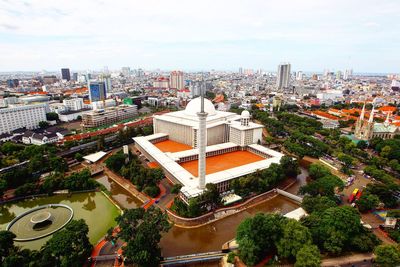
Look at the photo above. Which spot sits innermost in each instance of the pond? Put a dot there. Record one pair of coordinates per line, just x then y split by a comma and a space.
94, 207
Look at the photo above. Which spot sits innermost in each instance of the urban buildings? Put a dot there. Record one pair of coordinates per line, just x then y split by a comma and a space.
97, 91
107, 116
73, 104
283, 76
176, 80
65, 74
16, 117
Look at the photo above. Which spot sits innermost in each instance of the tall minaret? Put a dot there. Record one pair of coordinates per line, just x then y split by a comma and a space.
202, 141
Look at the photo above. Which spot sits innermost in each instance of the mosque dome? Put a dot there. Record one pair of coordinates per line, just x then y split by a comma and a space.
194, 106
245, 114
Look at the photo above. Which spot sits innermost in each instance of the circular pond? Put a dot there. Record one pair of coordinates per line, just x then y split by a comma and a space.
94, 207
40, 222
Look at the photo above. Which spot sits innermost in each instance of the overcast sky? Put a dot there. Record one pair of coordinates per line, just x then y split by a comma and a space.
312, 35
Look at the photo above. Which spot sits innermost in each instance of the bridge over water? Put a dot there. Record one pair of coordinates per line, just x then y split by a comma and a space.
193, 258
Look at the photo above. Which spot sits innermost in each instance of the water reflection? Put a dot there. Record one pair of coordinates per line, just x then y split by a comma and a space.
5, 215
118, 193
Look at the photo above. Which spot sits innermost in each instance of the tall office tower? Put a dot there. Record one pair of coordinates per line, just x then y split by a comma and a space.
240, 70
283, 76
348, 74
338, 75
299, 76
106, 78
75, 76
97, 91
65, 74
176, 80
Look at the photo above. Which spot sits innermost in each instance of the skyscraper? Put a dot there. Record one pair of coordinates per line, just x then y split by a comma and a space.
106, 78
176, 80
65, 74
97, 91
283, 76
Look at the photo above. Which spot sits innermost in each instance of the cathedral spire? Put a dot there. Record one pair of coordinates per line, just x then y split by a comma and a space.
371, 116
387, 122
362, 113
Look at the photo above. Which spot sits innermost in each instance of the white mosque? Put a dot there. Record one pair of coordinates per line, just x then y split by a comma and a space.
207, 133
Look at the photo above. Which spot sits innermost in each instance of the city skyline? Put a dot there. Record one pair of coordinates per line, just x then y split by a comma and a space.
223, 35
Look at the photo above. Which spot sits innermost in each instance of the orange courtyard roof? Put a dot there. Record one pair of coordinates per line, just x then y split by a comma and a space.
171, 146
222, 162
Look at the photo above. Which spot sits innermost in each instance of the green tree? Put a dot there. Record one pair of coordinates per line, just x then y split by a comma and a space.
70, 246
211, 195
317, 204
367, 202
290, 166
78, 156
116, 161
142, 231
257, 236
6, 244
362, 144
317, 170
51, 116
387, 255
43, 124
308, 256
294, 237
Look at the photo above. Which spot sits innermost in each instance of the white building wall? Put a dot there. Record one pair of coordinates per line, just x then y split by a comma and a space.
257, 135
177, 132
216, 135
27, 116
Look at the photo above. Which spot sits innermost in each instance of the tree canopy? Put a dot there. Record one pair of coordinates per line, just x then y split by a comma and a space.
142, 231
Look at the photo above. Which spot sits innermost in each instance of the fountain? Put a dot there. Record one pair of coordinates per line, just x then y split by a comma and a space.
40, 222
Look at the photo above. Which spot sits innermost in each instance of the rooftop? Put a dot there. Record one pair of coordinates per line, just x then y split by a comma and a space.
222, 162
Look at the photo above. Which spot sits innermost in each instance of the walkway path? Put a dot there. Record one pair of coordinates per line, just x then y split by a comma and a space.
350, 260
126, 184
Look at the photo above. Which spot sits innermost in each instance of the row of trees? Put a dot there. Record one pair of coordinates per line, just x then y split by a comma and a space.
41, 159
264, 180
144, 179
57, 181
68, 247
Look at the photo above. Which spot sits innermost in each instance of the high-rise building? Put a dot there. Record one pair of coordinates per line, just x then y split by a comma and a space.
299, 76
176, 80
65, 74
97, 91
283, 76
106, 78
75, 76
338, 75
27, 116
348, 74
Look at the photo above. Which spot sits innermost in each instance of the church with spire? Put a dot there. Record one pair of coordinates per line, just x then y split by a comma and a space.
368, 129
